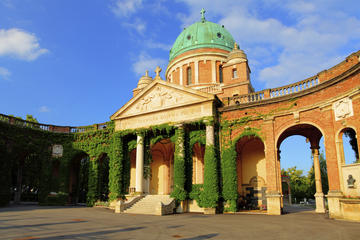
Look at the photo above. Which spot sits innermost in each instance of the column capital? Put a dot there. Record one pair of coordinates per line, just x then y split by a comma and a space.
180, 125
209, 122
315, 150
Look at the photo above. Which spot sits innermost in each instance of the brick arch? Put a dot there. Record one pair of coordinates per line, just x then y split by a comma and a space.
340, 143
251, 157
340, 132
291, 130
239, 135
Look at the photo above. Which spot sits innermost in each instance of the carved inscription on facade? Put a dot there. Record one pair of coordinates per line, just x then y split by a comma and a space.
179, 114
57, 150
343, 109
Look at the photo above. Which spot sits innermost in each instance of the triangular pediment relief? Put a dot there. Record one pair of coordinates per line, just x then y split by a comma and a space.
161, 95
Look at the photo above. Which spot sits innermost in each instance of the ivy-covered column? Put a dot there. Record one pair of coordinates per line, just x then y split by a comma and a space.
116, 168
210, 195
229, 175
93, 193
140, 164
179, 192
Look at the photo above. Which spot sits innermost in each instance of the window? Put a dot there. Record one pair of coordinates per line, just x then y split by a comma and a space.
234, 73
189, 75
221, 80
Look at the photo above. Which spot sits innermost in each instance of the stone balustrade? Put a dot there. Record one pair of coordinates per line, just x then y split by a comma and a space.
211, 89
51, 128
294, 87
272, 93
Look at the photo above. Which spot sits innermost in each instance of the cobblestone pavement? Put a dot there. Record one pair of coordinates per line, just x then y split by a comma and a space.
35, 222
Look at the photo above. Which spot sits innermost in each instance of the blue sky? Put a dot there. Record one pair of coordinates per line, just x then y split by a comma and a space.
76, 62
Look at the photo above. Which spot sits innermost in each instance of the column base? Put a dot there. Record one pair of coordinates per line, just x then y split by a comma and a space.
209, 211
273, 203
320, 203
183, 207
334, 204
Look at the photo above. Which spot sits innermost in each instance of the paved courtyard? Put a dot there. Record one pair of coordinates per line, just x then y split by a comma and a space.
34, 222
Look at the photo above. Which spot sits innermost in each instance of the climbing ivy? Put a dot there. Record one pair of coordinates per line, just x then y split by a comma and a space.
179, 191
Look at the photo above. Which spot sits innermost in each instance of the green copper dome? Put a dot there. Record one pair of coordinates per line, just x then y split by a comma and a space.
203, 34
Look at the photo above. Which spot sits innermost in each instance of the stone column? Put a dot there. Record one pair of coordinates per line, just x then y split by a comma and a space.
278, 168
289, 191
179, 169
319, 195
196, 63
211, 191
210, 136
140, 164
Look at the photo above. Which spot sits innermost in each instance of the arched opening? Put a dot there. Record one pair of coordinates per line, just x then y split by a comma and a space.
132, 187
251, 173
221, 79
103, 177
198, 163
188, 76
302, 161
161, 167
350, 146
26, 177
78, 184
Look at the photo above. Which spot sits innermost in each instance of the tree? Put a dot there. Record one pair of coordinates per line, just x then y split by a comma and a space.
350, 133
30, 118
299, 184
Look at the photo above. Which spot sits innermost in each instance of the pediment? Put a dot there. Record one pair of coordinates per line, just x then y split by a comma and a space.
159, 96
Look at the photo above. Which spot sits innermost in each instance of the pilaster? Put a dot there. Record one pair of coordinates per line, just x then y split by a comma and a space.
196, 64
213, 71
334, 204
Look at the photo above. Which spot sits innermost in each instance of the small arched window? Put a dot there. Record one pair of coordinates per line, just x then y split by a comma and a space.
234, 73
189, 75
221, 80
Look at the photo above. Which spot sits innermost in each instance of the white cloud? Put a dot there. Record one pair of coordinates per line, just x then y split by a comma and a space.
158, 45
138, 25
302, 37
125, 8
4, 73
145, 62
20, 44
44, 109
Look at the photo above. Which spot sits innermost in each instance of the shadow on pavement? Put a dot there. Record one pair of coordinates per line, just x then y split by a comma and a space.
95, 235
39, 225
200, 237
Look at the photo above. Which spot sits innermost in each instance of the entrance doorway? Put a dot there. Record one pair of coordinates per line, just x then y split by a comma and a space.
161, 167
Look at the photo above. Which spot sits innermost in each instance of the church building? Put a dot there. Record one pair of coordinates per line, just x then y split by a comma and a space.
202, 139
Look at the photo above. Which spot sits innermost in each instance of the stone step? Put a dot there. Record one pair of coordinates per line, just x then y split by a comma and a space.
148, 204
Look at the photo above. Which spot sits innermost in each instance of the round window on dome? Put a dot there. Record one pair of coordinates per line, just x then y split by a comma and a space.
219, 35
188, 37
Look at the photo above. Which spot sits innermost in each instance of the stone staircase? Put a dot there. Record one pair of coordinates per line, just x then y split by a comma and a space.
153, 205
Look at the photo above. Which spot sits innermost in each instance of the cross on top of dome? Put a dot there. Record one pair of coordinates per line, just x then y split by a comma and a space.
202, 12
